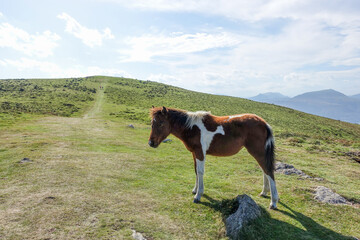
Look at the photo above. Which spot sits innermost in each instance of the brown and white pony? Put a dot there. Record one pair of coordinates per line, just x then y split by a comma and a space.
203, 133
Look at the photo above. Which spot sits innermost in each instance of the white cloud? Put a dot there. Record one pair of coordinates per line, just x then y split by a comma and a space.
1, 15
305, 50
30, 64
345, 81
165, 78
146, 47
40, 45
90, 37
312, 32
94, 70
53, 70
299, 45
336, 11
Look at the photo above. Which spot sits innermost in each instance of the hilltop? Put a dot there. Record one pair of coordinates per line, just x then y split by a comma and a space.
90, 176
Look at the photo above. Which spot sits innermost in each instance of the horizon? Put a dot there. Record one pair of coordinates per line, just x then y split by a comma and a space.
228, 48
189, 89
329, 89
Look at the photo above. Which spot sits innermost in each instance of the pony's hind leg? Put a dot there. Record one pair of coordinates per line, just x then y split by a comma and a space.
269, 184
257, 150
266, 187
274, 193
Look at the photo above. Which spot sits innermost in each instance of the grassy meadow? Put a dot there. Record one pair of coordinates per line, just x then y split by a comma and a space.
90, 176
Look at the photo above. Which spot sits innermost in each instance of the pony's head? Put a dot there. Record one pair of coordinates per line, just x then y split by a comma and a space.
160, 126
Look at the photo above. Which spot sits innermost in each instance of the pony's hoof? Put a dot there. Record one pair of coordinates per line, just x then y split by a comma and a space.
196, 200
273, 207
263, 195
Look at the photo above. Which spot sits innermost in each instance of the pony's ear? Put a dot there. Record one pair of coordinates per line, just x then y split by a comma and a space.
164, 111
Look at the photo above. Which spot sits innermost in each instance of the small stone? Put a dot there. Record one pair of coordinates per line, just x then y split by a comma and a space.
137, 235
167, 140
49, 198
131, 126
25, 160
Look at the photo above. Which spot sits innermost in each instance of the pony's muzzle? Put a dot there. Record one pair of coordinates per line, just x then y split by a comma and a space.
153, 144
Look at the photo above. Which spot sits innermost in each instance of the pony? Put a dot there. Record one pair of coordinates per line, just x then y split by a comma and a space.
203, 133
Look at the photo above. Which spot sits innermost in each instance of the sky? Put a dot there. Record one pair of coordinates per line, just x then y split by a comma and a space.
236, 48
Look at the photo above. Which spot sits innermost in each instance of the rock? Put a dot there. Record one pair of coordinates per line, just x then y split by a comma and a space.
25, 160
353, 155
326, 195
131, 126
318, 179
167, 140
289, 169
137, 235
248, 210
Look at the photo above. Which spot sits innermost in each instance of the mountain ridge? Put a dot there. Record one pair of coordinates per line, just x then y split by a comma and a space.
326, 103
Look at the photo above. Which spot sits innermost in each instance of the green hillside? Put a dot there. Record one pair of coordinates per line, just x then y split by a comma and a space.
92, 177
62, 97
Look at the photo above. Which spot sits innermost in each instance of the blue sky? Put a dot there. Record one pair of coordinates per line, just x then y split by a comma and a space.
238, 48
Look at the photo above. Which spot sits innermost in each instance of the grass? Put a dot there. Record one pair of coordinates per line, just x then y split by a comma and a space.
92, 177
63, 97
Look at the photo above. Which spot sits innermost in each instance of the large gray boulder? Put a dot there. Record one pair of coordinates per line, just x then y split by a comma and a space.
248, 210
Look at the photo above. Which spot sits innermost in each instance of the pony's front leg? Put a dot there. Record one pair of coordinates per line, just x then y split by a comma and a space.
200, 169
194, 191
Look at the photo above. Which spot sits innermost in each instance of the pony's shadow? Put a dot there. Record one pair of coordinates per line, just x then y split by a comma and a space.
266, 227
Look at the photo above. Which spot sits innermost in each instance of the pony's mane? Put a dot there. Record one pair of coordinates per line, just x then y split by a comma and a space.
181, 117
195, 117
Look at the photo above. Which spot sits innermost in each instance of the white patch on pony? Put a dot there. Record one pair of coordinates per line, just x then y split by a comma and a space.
266, 187
274, 193
195, 117
235, 116
270, 140
206, 136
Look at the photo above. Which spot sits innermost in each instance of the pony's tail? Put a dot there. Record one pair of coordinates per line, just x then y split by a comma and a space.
270, 152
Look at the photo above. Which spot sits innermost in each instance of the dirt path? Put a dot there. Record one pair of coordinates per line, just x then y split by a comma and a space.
98, 103
69, 181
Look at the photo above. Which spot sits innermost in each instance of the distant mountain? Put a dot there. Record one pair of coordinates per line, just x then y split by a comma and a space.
356, 96
270, 97
326, 103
